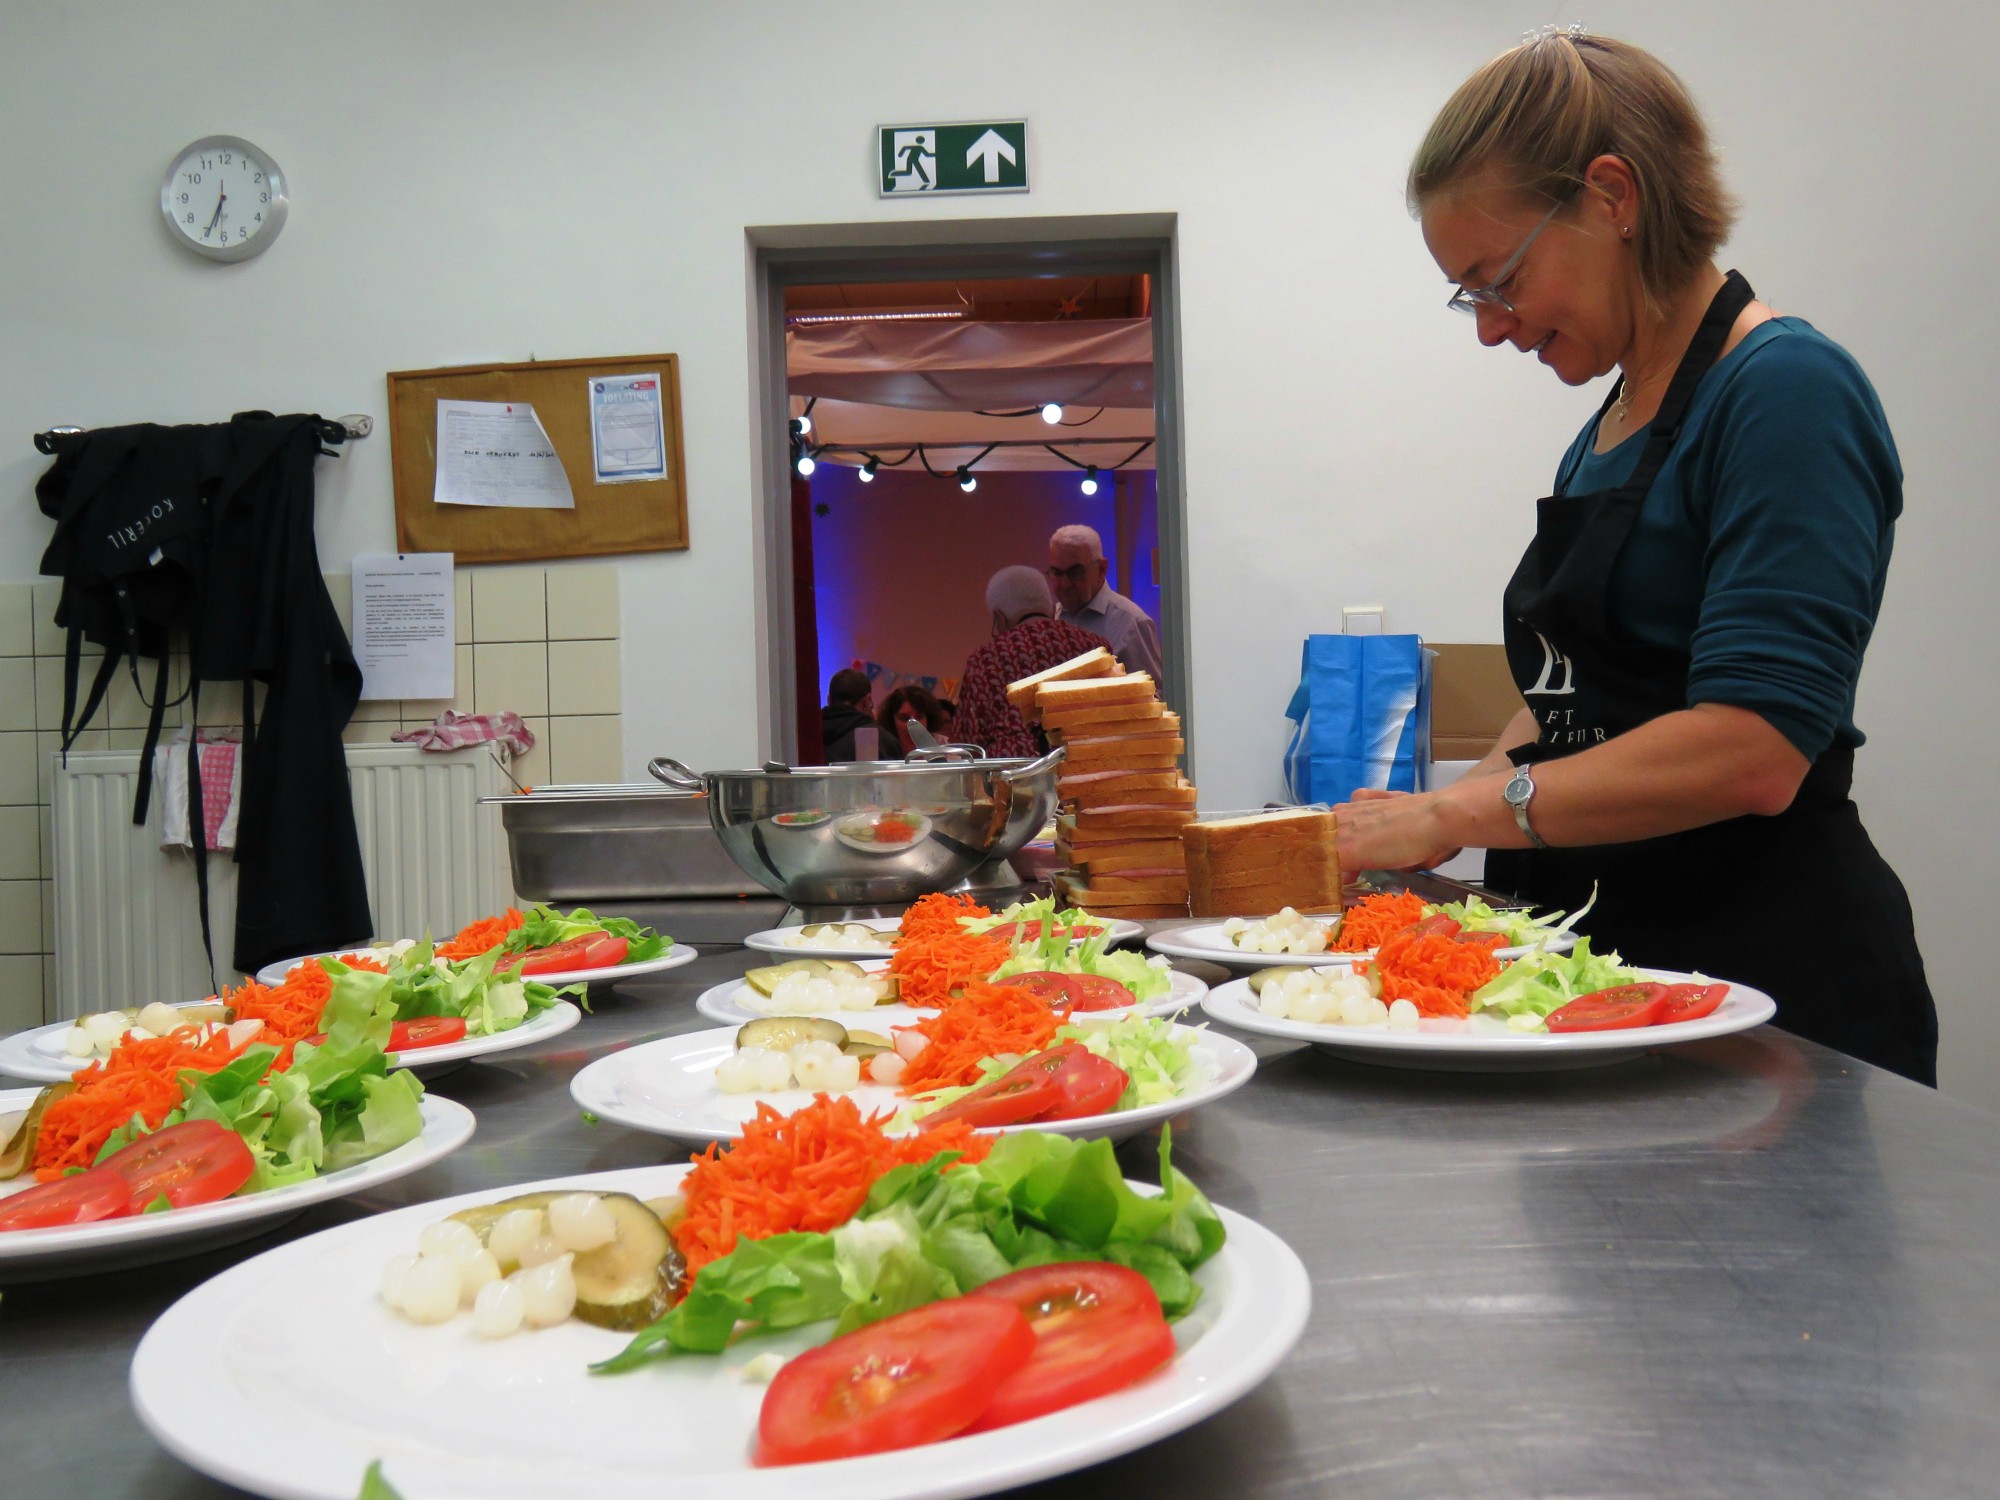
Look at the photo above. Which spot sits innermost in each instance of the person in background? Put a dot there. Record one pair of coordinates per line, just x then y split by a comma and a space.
947, 720
898, 709
1687, 625
1027, 638
848, 708
1078, 569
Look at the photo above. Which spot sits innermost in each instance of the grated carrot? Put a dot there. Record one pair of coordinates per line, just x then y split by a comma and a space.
989, 1020
140, 1077
931, 970
938, 916
1434, 972
810, 1170
1365, 924
474, 938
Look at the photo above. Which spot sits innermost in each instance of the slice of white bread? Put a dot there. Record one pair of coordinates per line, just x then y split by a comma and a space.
1090, 692
1115, 823
1135, 855
1120, 788
1254, 865
1097, 663
1105, 755
1071, 720
1118, 898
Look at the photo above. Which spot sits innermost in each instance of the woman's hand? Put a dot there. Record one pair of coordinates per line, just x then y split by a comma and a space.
1381, 830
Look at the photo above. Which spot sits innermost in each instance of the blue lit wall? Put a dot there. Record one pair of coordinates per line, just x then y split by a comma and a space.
900, 565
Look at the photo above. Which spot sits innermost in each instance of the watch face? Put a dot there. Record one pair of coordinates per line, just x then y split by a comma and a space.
224, 198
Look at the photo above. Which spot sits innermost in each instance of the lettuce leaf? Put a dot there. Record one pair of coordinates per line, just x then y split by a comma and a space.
940, 1229
416, 986
544, 927
1540, 981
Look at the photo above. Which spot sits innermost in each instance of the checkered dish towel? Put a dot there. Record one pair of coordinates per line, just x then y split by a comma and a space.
456, 731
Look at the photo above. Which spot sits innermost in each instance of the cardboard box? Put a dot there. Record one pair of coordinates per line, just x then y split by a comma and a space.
1472, 698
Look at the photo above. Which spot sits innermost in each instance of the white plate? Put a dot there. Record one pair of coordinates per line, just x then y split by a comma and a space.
113, 1244
39, 1054
673, 958
773, 939
286, 1376
1208, 941
1457, 1050
719, 1003
668, 1087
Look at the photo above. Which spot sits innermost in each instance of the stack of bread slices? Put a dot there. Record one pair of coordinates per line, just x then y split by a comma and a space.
1124, 800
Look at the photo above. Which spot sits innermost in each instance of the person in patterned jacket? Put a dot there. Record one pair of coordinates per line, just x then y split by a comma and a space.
1027, 638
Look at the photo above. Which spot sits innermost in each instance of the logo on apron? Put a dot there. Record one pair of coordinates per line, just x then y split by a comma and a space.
1553, 661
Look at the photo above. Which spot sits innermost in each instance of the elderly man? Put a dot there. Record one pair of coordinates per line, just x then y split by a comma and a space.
1027, 638
1077, 565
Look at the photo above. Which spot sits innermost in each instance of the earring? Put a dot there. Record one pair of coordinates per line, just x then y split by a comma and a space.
1626, 232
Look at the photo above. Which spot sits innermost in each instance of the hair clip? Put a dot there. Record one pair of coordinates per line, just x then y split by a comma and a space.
1575, 32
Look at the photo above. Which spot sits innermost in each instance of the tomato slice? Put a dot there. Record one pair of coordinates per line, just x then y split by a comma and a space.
1436, 925
1022, 1094
426, 1031
1057, 990
569, 955
83, 1199
1690, 1002
1098, 992
1482, 939
1098, 1328
1617, 1009
919, 1377
1091, 1085
196, 1161
603, 951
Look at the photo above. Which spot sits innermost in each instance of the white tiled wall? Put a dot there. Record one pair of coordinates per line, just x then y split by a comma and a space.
539, 641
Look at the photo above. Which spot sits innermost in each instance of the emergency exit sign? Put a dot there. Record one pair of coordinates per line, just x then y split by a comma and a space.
990, 156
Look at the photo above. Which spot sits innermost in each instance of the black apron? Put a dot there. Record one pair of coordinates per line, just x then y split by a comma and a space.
1800, 905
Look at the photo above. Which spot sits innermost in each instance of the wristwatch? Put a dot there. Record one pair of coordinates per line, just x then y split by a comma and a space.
1519, 792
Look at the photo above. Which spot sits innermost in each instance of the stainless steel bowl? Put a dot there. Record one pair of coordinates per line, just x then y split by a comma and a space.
873, 833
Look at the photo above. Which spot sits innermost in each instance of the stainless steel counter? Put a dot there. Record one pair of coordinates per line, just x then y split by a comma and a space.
1748, 1267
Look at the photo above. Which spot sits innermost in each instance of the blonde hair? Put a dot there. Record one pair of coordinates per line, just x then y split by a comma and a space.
1546, 109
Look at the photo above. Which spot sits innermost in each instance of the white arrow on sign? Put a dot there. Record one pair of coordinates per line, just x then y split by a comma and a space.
991, 147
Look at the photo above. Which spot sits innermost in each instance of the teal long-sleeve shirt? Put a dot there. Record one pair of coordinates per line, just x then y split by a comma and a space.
1762, 547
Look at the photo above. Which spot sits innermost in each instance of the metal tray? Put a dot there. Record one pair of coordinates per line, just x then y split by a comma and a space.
584, 843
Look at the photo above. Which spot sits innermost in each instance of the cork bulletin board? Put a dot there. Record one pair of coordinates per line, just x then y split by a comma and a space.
643, 516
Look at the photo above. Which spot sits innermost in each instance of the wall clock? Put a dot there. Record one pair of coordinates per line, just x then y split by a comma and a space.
224, 198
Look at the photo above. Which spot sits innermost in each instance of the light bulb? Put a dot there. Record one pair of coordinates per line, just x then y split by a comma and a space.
806, 465
965, 480
802, 425
1089, 485
1052, 412
867, 474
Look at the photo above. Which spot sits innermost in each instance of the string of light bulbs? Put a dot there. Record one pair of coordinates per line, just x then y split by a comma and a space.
805, 455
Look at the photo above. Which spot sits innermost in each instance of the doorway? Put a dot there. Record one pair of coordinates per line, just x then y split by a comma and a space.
835, 541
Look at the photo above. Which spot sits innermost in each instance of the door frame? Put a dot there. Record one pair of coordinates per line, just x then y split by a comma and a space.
782, 256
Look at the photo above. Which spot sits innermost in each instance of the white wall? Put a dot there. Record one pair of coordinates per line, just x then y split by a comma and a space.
477, 182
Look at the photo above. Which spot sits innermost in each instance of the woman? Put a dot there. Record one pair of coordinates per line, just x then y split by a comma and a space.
1687, 626
901, 707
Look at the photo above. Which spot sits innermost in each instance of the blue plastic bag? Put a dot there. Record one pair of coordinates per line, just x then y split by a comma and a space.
1363, 717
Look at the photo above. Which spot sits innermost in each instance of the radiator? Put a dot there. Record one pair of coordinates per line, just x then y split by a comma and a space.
128, 924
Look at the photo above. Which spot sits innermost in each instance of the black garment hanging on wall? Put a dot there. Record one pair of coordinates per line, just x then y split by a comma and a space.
204, 534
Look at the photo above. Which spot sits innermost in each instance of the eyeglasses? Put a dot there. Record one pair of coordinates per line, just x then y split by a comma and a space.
1468, 299
1075, 572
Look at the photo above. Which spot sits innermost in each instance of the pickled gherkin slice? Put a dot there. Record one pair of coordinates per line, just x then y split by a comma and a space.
624, 1284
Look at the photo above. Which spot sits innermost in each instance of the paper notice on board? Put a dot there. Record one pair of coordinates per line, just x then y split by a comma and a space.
628, 438
404, 624
497, 453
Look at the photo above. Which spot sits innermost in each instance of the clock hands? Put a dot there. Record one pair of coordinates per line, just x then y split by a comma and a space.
215, 218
